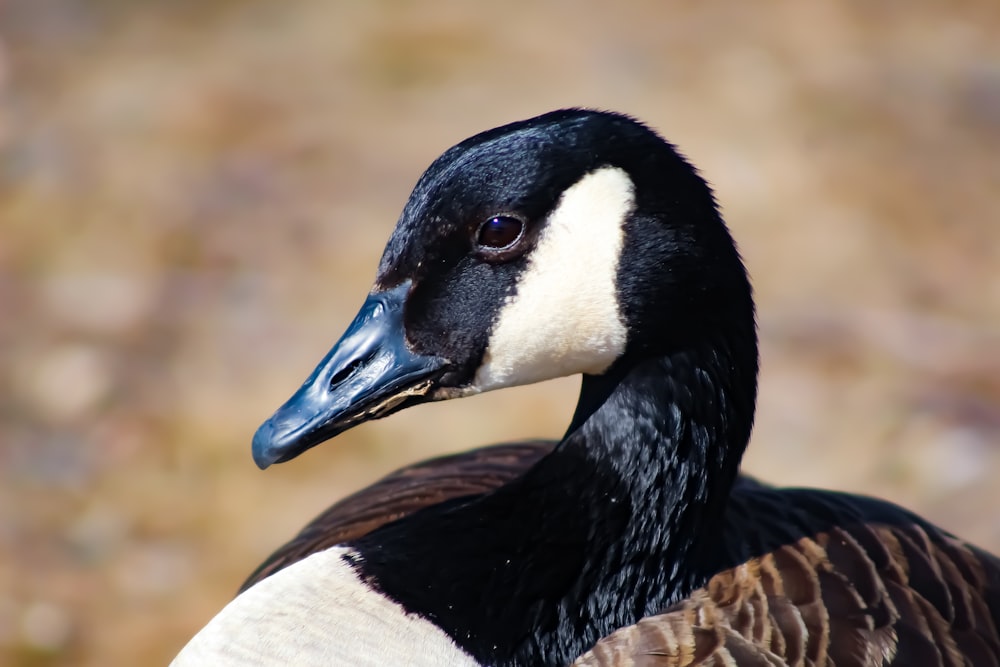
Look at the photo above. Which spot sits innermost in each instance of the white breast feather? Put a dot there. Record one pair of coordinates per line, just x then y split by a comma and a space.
317, 612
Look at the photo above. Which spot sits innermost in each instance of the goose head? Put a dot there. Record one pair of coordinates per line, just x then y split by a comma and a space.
576, 242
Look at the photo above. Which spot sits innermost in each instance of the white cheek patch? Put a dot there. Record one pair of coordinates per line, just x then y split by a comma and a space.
564, 317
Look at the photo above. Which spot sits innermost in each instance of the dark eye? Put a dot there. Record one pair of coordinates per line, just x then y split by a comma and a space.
499, 232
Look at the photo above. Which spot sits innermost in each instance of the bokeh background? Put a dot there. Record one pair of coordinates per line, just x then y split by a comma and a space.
194, 195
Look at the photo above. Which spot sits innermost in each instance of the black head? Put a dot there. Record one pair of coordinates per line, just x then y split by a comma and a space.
569, 243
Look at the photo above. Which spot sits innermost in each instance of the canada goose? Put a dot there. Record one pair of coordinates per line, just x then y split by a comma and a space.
581, 242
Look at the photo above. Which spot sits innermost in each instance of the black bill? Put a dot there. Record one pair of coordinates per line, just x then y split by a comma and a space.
369, 373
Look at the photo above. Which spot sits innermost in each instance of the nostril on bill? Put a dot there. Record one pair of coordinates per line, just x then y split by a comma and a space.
347, 371
344, 373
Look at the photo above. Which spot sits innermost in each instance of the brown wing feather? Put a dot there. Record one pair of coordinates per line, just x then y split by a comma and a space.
855, 593
403, 492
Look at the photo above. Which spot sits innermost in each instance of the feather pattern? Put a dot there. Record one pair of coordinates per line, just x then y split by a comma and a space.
822, 578
890, 590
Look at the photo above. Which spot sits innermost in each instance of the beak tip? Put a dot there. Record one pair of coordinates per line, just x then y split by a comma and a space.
265, 452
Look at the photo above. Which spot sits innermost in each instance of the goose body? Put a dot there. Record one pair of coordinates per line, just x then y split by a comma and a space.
581, 242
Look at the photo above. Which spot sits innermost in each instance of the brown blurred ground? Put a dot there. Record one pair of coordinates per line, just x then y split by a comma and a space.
193, 196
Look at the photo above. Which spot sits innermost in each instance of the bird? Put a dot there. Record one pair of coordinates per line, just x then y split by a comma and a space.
580, 242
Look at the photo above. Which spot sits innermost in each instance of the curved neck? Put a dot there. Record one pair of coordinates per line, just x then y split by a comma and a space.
671, 432
535, 572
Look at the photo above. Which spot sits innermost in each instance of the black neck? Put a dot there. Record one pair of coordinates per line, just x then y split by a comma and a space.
537, 572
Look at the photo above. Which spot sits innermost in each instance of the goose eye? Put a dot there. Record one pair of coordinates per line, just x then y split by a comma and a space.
499, 233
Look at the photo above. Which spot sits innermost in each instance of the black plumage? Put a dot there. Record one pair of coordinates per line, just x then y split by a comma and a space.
632, 540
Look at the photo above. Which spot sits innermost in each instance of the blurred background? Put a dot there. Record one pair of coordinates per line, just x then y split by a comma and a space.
194, 196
